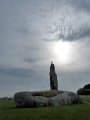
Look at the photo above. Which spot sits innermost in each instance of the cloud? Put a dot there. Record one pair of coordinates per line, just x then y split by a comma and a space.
75, 28
31, 60
81, 5
17, 72
23, 30
66, 20
82, 33
78, 34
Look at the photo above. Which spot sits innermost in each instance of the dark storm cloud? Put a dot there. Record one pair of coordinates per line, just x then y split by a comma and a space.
18, 72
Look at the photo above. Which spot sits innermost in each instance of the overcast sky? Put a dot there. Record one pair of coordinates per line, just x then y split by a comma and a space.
29, 30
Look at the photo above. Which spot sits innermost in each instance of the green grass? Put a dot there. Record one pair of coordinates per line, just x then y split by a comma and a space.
8, 111
86, 99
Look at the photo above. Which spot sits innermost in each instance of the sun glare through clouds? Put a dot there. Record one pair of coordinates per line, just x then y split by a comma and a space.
63, 51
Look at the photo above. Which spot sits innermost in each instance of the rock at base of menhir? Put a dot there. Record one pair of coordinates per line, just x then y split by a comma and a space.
66, 98
26, 99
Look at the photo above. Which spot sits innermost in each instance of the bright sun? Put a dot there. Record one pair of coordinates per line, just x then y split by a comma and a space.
63, 51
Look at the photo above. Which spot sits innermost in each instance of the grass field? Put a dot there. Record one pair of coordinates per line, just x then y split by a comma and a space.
86, 99
8, 111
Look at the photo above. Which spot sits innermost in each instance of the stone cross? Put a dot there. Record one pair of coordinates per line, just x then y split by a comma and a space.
53, 77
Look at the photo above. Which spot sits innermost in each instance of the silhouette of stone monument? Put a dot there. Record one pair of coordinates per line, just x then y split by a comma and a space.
53, 97
53, 78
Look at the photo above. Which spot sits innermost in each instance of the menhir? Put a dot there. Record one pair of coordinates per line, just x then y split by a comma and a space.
53, 77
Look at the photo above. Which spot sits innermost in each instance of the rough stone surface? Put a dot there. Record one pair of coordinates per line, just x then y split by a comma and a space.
53, 78
65, 98
27, 99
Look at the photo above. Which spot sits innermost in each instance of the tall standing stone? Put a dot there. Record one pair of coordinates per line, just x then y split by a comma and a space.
53, 77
